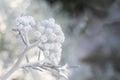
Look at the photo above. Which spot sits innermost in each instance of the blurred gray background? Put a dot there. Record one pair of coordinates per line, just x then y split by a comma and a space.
92, 31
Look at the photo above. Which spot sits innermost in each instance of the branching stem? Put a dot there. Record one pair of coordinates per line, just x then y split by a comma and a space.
18, 62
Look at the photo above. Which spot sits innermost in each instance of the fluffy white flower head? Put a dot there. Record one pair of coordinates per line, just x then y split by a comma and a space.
51, 36
48, 40
25, 23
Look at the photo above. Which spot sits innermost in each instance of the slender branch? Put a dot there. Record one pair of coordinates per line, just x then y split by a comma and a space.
27, 39
23, 39
39, 55
26, 42
27, 59
15, 67
18, 62
38, 66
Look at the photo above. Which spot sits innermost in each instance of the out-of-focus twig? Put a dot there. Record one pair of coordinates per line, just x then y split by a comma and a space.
18, 62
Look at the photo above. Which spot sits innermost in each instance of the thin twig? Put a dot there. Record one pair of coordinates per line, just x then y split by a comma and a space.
37, 69
39, 55
15, 66
27, 39
27, 59
18, 62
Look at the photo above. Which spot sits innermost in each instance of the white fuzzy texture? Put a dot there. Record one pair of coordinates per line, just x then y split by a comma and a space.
37, 34
47, 46
60, 39
25, 23
27, 28
52, 46
52, 20
43, 38
41, 29
48, 33
26, 20
46, 53
51, 38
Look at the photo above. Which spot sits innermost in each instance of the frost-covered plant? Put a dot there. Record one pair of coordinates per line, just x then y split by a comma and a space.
51, 37
48, 39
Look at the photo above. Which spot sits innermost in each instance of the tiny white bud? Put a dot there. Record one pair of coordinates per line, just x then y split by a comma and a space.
37, 34
52, 37
52, 20
48, 31
57, 27
57, 49
45, 23
43, 38
27, 28
41, 29
47, 46
52, 45
25, 20
60, 39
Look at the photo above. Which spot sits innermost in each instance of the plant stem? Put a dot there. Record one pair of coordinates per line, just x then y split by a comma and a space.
18, 62
15, 67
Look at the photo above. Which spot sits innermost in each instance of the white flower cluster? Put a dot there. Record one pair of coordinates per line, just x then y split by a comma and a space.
25, 23
51, 37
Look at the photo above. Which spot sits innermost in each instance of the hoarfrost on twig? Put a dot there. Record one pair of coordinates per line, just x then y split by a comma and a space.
49, 38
